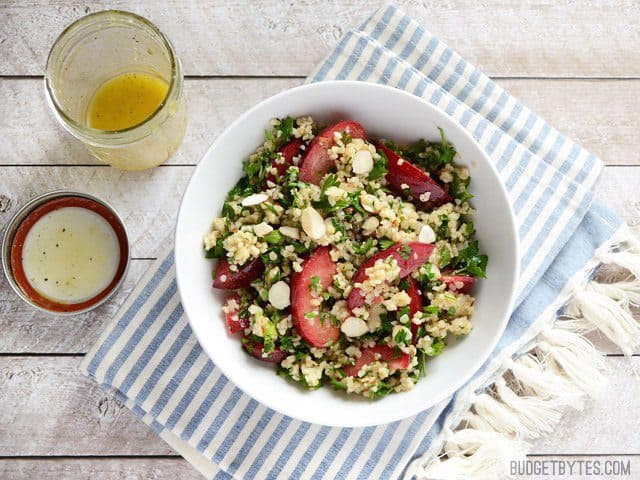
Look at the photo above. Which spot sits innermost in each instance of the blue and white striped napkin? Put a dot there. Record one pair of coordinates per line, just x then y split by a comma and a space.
149, 358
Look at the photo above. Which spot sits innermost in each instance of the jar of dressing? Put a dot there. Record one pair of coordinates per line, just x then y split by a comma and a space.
114, 81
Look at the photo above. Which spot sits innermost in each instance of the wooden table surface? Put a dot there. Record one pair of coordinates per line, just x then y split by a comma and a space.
578, 65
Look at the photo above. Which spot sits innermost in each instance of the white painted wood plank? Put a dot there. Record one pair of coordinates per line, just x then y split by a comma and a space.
98, 469
506, 38
50, 408
601, 115
47, 402
618, 189
212, 104
148, 201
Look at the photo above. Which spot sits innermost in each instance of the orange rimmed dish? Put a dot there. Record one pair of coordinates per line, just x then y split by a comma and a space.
65, 252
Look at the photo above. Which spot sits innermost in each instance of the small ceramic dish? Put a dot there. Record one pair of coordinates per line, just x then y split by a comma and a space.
85, 269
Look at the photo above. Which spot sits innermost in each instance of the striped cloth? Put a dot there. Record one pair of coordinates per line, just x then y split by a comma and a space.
149, 358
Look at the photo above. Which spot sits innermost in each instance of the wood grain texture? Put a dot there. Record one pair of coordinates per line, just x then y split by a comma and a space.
98, 469
147, 201
47, 402
50, 408
618, 189
541, 39
603, 426
602, 115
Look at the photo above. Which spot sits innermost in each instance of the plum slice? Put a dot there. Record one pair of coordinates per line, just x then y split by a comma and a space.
316, 162
306, 316
403, 176
289, 151
256, 349
226, 279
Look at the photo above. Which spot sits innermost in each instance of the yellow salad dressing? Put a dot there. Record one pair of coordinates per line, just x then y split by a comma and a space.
126, 101
70, 255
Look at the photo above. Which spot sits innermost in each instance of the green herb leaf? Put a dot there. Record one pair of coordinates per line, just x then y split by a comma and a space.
405, 251
445, 257
401, 337
363, 248
436, 347
431, 310
270, 335
315, 285
338, 385
472, 262
274, 237
380, 165
385, 243
286, 127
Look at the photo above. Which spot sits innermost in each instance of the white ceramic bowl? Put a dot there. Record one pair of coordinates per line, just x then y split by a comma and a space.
384, 112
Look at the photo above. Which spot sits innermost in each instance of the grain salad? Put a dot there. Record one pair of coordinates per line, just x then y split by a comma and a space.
348, 261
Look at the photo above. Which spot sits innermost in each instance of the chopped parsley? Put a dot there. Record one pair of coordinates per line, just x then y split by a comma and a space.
380, 165
405, 251
315, 285
364, 247
472, 262
385, 243
274, 237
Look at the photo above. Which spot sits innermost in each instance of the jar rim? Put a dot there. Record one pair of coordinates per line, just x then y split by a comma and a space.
125, 135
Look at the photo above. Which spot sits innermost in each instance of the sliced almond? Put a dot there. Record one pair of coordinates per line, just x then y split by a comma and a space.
279, 295
362, 162
262, 229
426, 235
368, 202
328, 224
369, 225
255, 199
291, 232
313, 223
354, 327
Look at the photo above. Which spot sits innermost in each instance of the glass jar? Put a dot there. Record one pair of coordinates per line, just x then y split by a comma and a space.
98, 48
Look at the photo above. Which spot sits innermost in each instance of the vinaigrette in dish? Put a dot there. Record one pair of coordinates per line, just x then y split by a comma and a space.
348, 261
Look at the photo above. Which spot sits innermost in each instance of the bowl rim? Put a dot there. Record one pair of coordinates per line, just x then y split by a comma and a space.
245, 384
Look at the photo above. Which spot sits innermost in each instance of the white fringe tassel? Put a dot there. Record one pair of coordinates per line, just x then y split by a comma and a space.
534, 387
